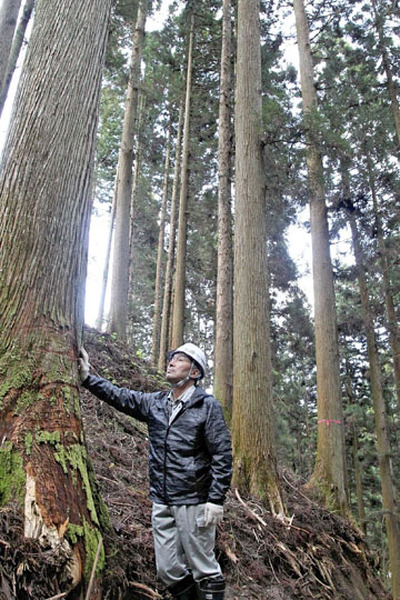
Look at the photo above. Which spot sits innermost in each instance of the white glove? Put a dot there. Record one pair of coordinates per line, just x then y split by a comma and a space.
83, 364
213, 514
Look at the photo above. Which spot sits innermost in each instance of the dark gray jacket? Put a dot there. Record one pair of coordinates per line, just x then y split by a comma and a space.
190, 461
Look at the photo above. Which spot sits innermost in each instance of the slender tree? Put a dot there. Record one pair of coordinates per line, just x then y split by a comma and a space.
9, 10
223, 355
118, 321
167, 297
393, 327
379, 16
15, 50
155, 349
389, 493
178, 310
45, 202
330, 469
252, 429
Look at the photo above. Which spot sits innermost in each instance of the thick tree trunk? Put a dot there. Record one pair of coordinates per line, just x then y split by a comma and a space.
167, 298
223, 363
252, 421
9, 10
15, 51
155, 347
118, 322
45, 202
178, 309
330, 470
389, 493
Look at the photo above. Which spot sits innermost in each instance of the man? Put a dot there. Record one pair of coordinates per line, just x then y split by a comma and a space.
190, 467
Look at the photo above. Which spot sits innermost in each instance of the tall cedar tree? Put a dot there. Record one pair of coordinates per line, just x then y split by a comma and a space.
118, 322
178, 311
45, 201
330, 470
389, 493
252, 421
223, 357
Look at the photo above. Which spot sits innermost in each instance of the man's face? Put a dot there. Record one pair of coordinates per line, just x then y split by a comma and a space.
178, 367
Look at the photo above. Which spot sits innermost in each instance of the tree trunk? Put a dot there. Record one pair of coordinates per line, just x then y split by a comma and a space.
15, 51
118, 322
252, 422
356, 461
329, 476
9, 10
155, 348
394, 337
389, 492
386, 65
45, 202
178, 310
167, 298
223, 354
106, 268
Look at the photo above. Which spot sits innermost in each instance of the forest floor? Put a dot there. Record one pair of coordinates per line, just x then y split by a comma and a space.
313, 555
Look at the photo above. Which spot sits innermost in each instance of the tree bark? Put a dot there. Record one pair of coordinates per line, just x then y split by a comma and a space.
45, 203
329, 476
178, 309
223, 353
118, 322
252, 421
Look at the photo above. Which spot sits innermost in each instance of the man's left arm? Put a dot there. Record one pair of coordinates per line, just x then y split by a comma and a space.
218, 441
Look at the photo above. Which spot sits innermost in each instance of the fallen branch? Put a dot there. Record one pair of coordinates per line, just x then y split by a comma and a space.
145, 590
96, 560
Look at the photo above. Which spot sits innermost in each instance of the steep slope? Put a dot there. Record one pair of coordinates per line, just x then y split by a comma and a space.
314, 555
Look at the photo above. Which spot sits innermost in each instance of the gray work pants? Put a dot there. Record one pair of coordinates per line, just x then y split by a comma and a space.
183, 544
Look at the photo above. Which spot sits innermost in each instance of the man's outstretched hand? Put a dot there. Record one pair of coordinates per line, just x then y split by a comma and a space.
83, 364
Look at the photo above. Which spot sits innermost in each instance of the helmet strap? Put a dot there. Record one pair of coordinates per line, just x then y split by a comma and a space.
188, 376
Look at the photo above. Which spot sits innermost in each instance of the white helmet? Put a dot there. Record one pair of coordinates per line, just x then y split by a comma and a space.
195, 353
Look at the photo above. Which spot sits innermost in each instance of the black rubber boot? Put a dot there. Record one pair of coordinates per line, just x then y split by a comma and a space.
212, 589
185, 589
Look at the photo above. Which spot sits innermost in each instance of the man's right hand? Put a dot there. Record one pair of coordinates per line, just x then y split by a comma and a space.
83, 364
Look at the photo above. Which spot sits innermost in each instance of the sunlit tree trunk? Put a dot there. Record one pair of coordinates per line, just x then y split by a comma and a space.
9, 10
389, 493
178, 309
155, 348
223, 353
167, 297
45, 203
14, 51
329, 476
106, 268
118, 321
252, 421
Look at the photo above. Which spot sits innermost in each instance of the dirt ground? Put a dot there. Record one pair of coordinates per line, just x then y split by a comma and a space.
313, 555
